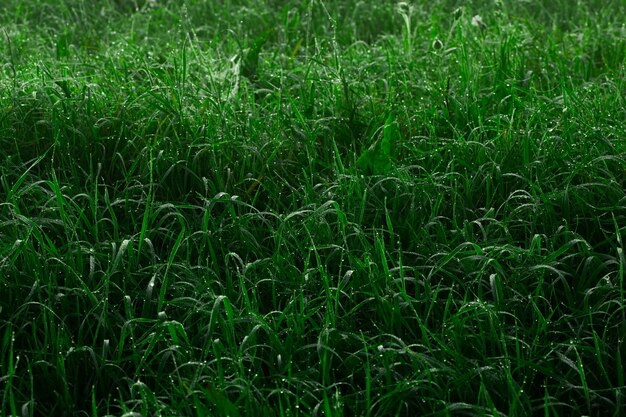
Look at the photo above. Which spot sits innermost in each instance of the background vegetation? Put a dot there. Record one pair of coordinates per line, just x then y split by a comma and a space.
307, 208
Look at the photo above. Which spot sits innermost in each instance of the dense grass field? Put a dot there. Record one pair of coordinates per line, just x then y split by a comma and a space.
312, 208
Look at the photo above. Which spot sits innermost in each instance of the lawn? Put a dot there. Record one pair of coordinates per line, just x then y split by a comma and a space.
312, 208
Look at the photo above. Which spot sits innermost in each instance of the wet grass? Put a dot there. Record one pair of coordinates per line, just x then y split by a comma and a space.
336, 208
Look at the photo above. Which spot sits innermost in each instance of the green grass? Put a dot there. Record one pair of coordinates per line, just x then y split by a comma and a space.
318, 208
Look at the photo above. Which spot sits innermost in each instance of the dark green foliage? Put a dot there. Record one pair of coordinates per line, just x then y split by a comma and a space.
306, 208
378, 158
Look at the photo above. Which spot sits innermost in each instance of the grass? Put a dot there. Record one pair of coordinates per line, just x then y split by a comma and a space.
320, 208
